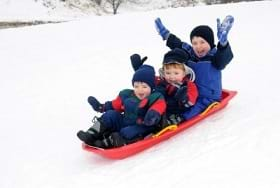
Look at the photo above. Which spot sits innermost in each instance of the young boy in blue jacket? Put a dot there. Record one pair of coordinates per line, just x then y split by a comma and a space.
205, 59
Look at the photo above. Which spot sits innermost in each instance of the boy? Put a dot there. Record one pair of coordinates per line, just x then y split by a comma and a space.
175, 83
205, 59
130, 117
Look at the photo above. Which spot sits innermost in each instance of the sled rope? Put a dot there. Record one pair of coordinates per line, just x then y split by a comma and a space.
212, 105
168, 128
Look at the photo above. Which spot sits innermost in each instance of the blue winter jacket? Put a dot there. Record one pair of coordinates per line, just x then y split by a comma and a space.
207, 71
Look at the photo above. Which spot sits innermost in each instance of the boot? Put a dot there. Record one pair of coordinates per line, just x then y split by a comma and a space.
105, 143
114, 140
117, 140
86, 137
94, 133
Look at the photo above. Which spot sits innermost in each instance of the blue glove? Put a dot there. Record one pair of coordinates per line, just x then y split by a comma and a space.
223, 29
181, 96
152, 117
96, 105
136, 61
163, 32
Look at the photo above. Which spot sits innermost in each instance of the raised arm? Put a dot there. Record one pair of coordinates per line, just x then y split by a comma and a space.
224, 54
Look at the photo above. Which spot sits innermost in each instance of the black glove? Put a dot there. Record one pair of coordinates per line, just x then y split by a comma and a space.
136, 61
181, 96
96, 105
152, 117
174, 119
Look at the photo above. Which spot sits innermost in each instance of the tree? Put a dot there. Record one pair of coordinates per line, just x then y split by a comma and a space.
98, 2
183, 3
115, 4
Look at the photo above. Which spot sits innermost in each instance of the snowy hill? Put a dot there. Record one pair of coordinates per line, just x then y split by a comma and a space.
48, 71
12, 10
63, 10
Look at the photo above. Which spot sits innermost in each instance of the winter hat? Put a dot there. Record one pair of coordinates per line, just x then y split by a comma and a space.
205, 32
176, 54
145, 73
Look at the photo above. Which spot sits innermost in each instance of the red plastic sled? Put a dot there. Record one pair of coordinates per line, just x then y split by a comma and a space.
131, 149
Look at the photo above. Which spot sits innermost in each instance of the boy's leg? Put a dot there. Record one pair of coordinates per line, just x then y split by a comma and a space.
136, 131
113, 140
125, 136
113, 121
109, 121
198, 108
94, 132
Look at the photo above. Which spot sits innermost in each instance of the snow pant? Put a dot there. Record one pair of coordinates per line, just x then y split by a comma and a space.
200, 105
114, 121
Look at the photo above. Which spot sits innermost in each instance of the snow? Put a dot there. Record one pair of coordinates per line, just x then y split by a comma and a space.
48, 71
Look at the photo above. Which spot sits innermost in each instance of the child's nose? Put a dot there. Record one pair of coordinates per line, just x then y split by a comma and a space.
172, 77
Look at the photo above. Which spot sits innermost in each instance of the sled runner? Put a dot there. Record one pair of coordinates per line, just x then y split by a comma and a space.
131, 149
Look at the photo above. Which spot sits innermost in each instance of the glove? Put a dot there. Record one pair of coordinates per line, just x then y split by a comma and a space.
223, 29
174, 119
136, 61
96, 105
181, 96
163, 32
152, 117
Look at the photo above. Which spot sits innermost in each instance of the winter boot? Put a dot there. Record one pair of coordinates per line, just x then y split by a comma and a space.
117, 140
112, 141
94, 133
105, 143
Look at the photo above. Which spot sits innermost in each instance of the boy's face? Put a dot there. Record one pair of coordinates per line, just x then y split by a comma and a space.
174, 75
141, 90
200, 46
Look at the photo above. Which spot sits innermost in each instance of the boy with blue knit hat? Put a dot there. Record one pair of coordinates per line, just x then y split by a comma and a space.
175, 83
205, 59
131, 116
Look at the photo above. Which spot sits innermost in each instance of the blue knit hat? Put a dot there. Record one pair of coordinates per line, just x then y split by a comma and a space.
146, 74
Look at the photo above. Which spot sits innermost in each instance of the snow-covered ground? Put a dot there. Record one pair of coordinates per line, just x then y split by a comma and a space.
44, 10
57, 10
48, 71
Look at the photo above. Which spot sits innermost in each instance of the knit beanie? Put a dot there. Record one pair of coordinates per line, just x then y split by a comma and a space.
205, 32
146, 74
176, 54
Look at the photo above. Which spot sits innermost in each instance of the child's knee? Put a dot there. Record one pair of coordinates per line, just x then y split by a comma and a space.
129, 132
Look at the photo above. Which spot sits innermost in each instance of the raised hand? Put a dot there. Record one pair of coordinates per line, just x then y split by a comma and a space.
163, 32
96, 105
224, 28
136, 61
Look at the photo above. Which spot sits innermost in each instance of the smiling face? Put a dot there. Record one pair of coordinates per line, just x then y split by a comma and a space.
174, 73
141, 90
200, 46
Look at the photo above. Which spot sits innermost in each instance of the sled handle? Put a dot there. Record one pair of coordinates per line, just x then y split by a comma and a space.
168, 128
212, 105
